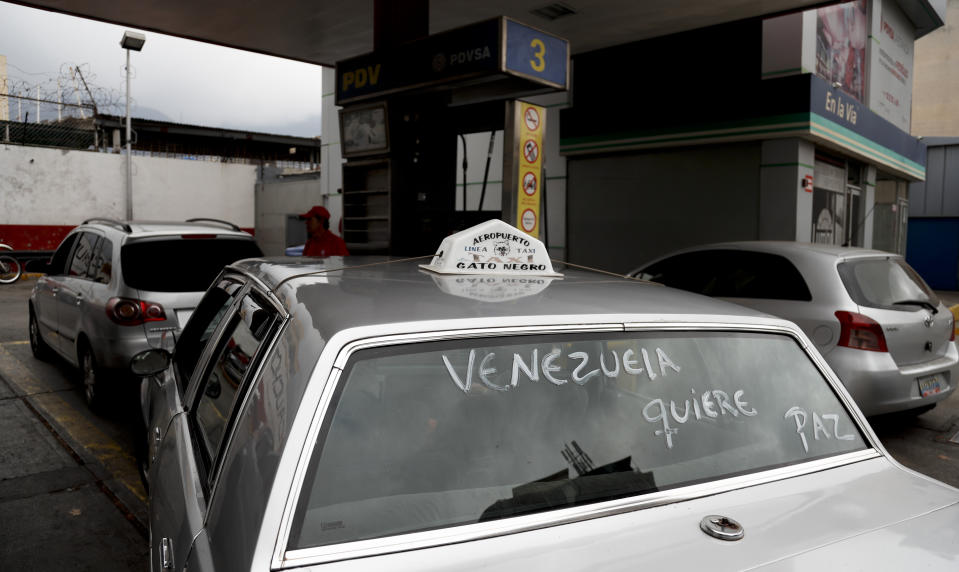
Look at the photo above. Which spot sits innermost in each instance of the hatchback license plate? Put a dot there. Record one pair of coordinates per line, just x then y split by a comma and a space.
930, 385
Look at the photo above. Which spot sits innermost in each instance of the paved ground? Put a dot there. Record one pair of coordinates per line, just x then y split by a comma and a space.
70, 496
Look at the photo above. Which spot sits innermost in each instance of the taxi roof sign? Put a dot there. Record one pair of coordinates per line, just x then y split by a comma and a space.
492, 248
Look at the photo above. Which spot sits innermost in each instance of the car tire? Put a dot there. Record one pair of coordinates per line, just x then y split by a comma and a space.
39, 347
92, 378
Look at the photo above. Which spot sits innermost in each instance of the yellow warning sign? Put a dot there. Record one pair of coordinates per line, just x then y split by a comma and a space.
530, 166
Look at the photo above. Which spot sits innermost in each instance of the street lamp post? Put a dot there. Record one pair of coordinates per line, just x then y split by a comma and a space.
131, 41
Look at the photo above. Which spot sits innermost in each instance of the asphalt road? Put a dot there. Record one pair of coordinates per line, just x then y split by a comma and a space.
70, 496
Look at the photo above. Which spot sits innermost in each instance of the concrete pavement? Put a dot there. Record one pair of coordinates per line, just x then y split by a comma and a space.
70, 497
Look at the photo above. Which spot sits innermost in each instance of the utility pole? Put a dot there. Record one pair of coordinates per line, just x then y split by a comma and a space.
130, 41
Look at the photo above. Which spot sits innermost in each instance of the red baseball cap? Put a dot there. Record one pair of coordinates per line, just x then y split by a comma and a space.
317, 211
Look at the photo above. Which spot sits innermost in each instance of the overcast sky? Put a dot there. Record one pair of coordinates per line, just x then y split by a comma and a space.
185, 81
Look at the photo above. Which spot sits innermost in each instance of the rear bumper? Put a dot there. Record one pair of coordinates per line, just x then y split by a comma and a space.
880, 386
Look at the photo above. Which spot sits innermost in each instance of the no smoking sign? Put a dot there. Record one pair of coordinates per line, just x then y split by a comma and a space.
531, 116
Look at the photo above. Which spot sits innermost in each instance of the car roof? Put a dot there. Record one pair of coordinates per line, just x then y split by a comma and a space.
786, 247
141, 228
346, 292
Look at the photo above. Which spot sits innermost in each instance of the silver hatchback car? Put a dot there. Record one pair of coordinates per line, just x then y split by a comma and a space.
485, 411
879, 326
116, 288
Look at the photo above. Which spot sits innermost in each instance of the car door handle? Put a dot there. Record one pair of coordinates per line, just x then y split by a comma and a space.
166, 554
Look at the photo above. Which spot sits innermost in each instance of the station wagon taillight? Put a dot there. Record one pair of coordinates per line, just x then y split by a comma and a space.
860, 332
131, 312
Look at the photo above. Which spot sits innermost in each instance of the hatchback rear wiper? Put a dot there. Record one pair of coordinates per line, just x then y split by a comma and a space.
924, 303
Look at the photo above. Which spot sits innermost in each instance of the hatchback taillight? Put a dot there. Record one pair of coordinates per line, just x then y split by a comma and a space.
861, 332
130, 312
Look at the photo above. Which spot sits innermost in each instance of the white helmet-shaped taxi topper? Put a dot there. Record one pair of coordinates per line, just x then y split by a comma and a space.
492, 248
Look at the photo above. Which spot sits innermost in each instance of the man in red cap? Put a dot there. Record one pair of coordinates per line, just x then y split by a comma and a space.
320, 241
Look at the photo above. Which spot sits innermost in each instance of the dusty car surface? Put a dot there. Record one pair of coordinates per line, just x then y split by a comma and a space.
116, 288
879, 326
487, 410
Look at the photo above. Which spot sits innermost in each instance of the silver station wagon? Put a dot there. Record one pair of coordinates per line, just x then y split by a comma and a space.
485, 409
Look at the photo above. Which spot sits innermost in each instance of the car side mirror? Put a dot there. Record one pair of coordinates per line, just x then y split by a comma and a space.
150, 362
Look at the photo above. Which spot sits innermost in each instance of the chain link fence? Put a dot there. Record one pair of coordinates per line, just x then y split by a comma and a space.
31, 121
28, 117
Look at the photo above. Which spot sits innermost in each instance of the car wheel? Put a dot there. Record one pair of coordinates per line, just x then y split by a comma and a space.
92, 378
39, 347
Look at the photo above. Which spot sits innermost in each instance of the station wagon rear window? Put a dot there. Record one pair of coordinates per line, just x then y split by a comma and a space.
432, 435
181, 264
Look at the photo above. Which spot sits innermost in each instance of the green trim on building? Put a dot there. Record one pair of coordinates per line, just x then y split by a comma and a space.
850, 140
798, 123
329, 94
460, 184
693, 133
783, 72
764, 165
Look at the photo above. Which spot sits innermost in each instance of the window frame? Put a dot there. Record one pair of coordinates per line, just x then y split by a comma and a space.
184, 383
93, 274
329, 385
68, 266
208, 464
846, 269
61, 271
726, 270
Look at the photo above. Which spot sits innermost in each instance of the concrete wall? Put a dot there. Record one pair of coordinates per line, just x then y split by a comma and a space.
785, 207
936, 80
57, 188
627, 209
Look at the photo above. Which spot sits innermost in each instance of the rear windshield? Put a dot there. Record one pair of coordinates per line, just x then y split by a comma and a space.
181, 264
886, 283
433, 435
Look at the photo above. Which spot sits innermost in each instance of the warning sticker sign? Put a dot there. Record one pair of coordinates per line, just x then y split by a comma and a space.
531, 151
529, 184
529, 123
531, 116
528, 220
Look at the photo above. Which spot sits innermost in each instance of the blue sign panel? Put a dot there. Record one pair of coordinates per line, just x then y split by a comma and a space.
535, 54
873, 131
467, 53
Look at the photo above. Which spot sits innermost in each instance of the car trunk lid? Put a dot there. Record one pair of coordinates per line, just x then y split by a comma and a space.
917, 327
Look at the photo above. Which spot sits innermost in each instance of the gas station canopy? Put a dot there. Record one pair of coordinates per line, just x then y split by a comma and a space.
327, 31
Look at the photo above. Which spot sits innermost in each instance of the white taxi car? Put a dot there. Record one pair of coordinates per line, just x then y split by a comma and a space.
485, 410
